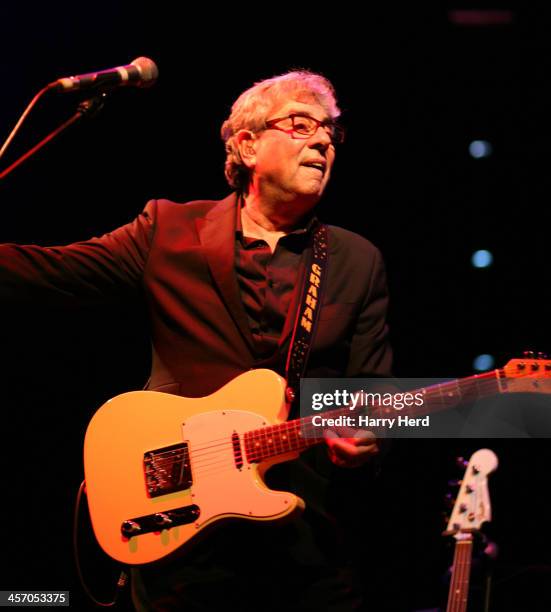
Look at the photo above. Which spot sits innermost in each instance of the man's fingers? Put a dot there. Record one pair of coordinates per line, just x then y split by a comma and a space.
356, 437
353, 448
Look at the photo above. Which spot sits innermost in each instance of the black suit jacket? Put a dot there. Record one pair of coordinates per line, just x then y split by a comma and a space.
181, 258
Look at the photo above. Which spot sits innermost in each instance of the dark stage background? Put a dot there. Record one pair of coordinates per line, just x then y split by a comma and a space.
416, 89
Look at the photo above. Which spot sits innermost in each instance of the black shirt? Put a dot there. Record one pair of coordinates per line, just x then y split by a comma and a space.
267, 281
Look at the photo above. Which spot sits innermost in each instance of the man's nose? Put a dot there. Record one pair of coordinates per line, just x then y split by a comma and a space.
322, 136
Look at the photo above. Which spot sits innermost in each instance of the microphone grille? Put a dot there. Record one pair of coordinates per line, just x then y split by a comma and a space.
148, 70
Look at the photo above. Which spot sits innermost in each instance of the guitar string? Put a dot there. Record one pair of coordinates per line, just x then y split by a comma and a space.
276, 433
289, 426
461, 573
453, 581
466, 552
462, 577
251, 455
467, 573
286, 425
202, 453
460, 586
482, 384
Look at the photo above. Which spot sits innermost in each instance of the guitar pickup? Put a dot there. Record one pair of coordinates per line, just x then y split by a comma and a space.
167, 470
151, 523
237, 454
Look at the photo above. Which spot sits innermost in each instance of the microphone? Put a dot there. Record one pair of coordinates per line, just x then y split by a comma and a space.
142, 72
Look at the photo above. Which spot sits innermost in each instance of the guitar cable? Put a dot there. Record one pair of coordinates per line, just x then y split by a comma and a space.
123, 578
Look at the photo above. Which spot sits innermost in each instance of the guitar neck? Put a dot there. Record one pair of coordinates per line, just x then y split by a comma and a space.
461, 573
299, 434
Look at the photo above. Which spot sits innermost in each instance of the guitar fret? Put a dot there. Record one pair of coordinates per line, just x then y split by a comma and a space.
256, 446
276, 439
261, 436
297, 435
461, 568
268, 442
286, 443
292, 435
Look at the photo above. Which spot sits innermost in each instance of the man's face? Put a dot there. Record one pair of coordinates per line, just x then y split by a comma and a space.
293, 167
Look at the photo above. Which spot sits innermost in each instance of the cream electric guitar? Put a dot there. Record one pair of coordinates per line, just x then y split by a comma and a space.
161, 468
471, 509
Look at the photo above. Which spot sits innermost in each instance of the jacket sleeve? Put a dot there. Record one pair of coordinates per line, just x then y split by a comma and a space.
370, 351
108, 266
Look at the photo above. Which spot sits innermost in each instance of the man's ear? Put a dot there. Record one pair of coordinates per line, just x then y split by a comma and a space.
246, 143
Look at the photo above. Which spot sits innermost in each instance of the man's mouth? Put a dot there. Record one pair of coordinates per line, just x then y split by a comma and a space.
316, 165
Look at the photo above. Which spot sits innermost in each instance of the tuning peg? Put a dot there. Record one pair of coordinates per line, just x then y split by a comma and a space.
491, 549
543, 355
528, 354
461, 462
454, 483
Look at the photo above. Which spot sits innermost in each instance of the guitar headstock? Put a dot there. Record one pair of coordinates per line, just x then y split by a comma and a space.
472, 506
530, 374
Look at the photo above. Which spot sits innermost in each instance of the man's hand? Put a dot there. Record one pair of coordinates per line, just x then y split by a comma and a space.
350, 448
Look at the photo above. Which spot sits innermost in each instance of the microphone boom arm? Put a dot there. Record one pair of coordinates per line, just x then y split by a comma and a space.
87, 108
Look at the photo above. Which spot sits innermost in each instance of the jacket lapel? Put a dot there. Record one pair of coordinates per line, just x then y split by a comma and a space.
217, 236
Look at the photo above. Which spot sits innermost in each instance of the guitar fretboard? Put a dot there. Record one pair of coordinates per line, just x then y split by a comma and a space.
299, 434
461, 573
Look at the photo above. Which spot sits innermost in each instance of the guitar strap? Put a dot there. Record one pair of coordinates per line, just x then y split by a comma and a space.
307, 315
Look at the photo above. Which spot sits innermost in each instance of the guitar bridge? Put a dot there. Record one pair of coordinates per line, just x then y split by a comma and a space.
167, 470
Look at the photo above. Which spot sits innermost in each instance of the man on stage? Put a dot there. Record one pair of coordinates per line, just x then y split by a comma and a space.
222, 282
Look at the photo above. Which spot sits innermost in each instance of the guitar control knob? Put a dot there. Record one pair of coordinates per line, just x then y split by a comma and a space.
162, 519
130, 528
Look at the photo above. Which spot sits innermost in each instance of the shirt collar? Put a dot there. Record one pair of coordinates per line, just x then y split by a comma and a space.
306, 227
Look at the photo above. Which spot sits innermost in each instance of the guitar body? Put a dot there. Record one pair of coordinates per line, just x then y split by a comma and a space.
168, 467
